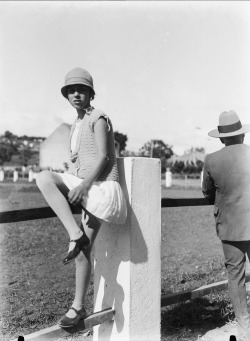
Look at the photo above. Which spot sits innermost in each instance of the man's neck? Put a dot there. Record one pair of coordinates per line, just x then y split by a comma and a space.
231, 143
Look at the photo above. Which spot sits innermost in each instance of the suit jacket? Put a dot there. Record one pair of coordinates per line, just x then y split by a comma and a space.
226, 184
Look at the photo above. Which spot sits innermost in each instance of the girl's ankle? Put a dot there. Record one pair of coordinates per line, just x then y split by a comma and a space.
78, 306
76, 235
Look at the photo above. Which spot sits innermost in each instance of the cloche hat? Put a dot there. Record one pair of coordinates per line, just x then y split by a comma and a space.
229, 125
77, 76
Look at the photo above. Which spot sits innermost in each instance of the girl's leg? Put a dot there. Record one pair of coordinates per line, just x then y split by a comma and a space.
55, 193
91, 226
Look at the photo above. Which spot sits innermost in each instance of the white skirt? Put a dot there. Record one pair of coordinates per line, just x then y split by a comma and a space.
105, 199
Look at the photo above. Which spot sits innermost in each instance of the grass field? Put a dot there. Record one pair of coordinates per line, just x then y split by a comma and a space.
36, 288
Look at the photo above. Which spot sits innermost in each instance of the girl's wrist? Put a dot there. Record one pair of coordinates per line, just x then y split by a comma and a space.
86, 183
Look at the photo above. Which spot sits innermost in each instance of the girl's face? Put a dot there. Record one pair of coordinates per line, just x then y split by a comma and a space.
79, 96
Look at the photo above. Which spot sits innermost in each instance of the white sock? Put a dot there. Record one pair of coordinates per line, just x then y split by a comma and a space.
71, 246
71, 313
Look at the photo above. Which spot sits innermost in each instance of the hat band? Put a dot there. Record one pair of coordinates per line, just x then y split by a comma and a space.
230, 128
80, 80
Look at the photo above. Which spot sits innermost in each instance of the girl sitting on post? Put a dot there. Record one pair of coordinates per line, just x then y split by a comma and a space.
91, 181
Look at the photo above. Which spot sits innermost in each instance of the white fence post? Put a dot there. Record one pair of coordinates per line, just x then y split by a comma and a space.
1, 175
168, 178
127, 269
31, 175
15, 176
201, 177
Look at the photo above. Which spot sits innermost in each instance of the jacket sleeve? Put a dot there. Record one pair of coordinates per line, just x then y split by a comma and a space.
208, 186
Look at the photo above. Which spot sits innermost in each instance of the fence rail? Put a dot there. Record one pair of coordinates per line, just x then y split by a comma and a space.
183, 296
56, 332
46, 212
31, 214
169, 202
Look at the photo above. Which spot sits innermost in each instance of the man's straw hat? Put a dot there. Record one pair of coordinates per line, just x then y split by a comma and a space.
77, 76
229, 125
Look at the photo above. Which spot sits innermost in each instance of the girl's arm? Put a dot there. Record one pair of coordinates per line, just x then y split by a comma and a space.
101, 139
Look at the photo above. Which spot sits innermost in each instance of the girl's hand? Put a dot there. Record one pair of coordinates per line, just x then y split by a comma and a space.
76, 195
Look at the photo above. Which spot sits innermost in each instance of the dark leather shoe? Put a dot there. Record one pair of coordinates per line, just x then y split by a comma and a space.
67, 322
81, 244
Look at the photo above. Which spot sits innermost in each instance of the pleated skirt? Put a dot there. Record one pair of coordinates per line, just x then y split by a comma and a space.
105, 199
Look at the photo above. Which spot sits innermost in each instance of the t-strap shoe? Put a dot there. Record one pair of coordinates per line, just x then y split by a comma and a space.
67, 322
80, 244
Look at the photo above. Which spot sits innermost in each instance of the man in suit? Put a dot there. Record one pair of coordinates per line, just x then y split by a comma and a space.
226, 184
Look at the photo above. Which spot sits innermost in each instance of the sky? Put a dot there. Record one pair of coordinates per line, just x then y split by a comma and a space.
161, 69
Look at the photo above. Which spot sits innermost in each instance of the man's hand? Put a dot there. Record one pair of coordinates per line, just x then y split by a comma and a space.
76, 195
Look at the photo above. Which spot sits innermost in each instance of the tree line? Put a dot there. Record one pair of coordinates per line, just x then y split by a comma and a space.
23, 146
159, 149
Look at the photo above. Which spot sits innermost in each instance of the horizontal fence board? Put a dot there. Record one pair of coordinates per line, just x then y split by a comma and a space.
170, 202
31, 214
47, 212
56, 332
167, 300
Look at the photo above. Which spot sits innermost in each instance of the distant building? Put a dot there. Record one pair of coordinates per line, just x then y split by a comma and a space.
189, 163
54, 151
189, 158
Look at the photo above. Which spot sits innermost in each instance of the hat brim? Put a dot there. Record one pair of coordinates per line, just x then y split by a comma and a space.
64, 88
215, 133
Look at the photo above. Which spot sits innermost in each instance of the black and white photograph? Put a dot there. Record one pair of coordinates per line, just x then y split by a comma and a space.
124, 170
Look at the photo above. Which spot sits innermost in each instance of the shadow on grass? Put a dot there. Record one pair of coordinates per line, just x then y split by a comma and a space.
192, 319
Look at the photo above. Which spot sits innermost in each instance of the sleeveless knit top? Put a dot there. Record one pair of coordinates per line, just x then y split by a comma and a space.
84, 156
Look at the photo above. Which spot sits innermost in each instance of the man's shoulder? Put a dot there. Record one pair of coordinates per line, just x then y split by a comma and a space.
242, 149
237, 149
214, 155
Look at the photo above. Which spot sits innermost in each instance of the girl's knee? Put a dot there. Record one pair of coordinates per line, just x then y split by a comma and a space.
43, 178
